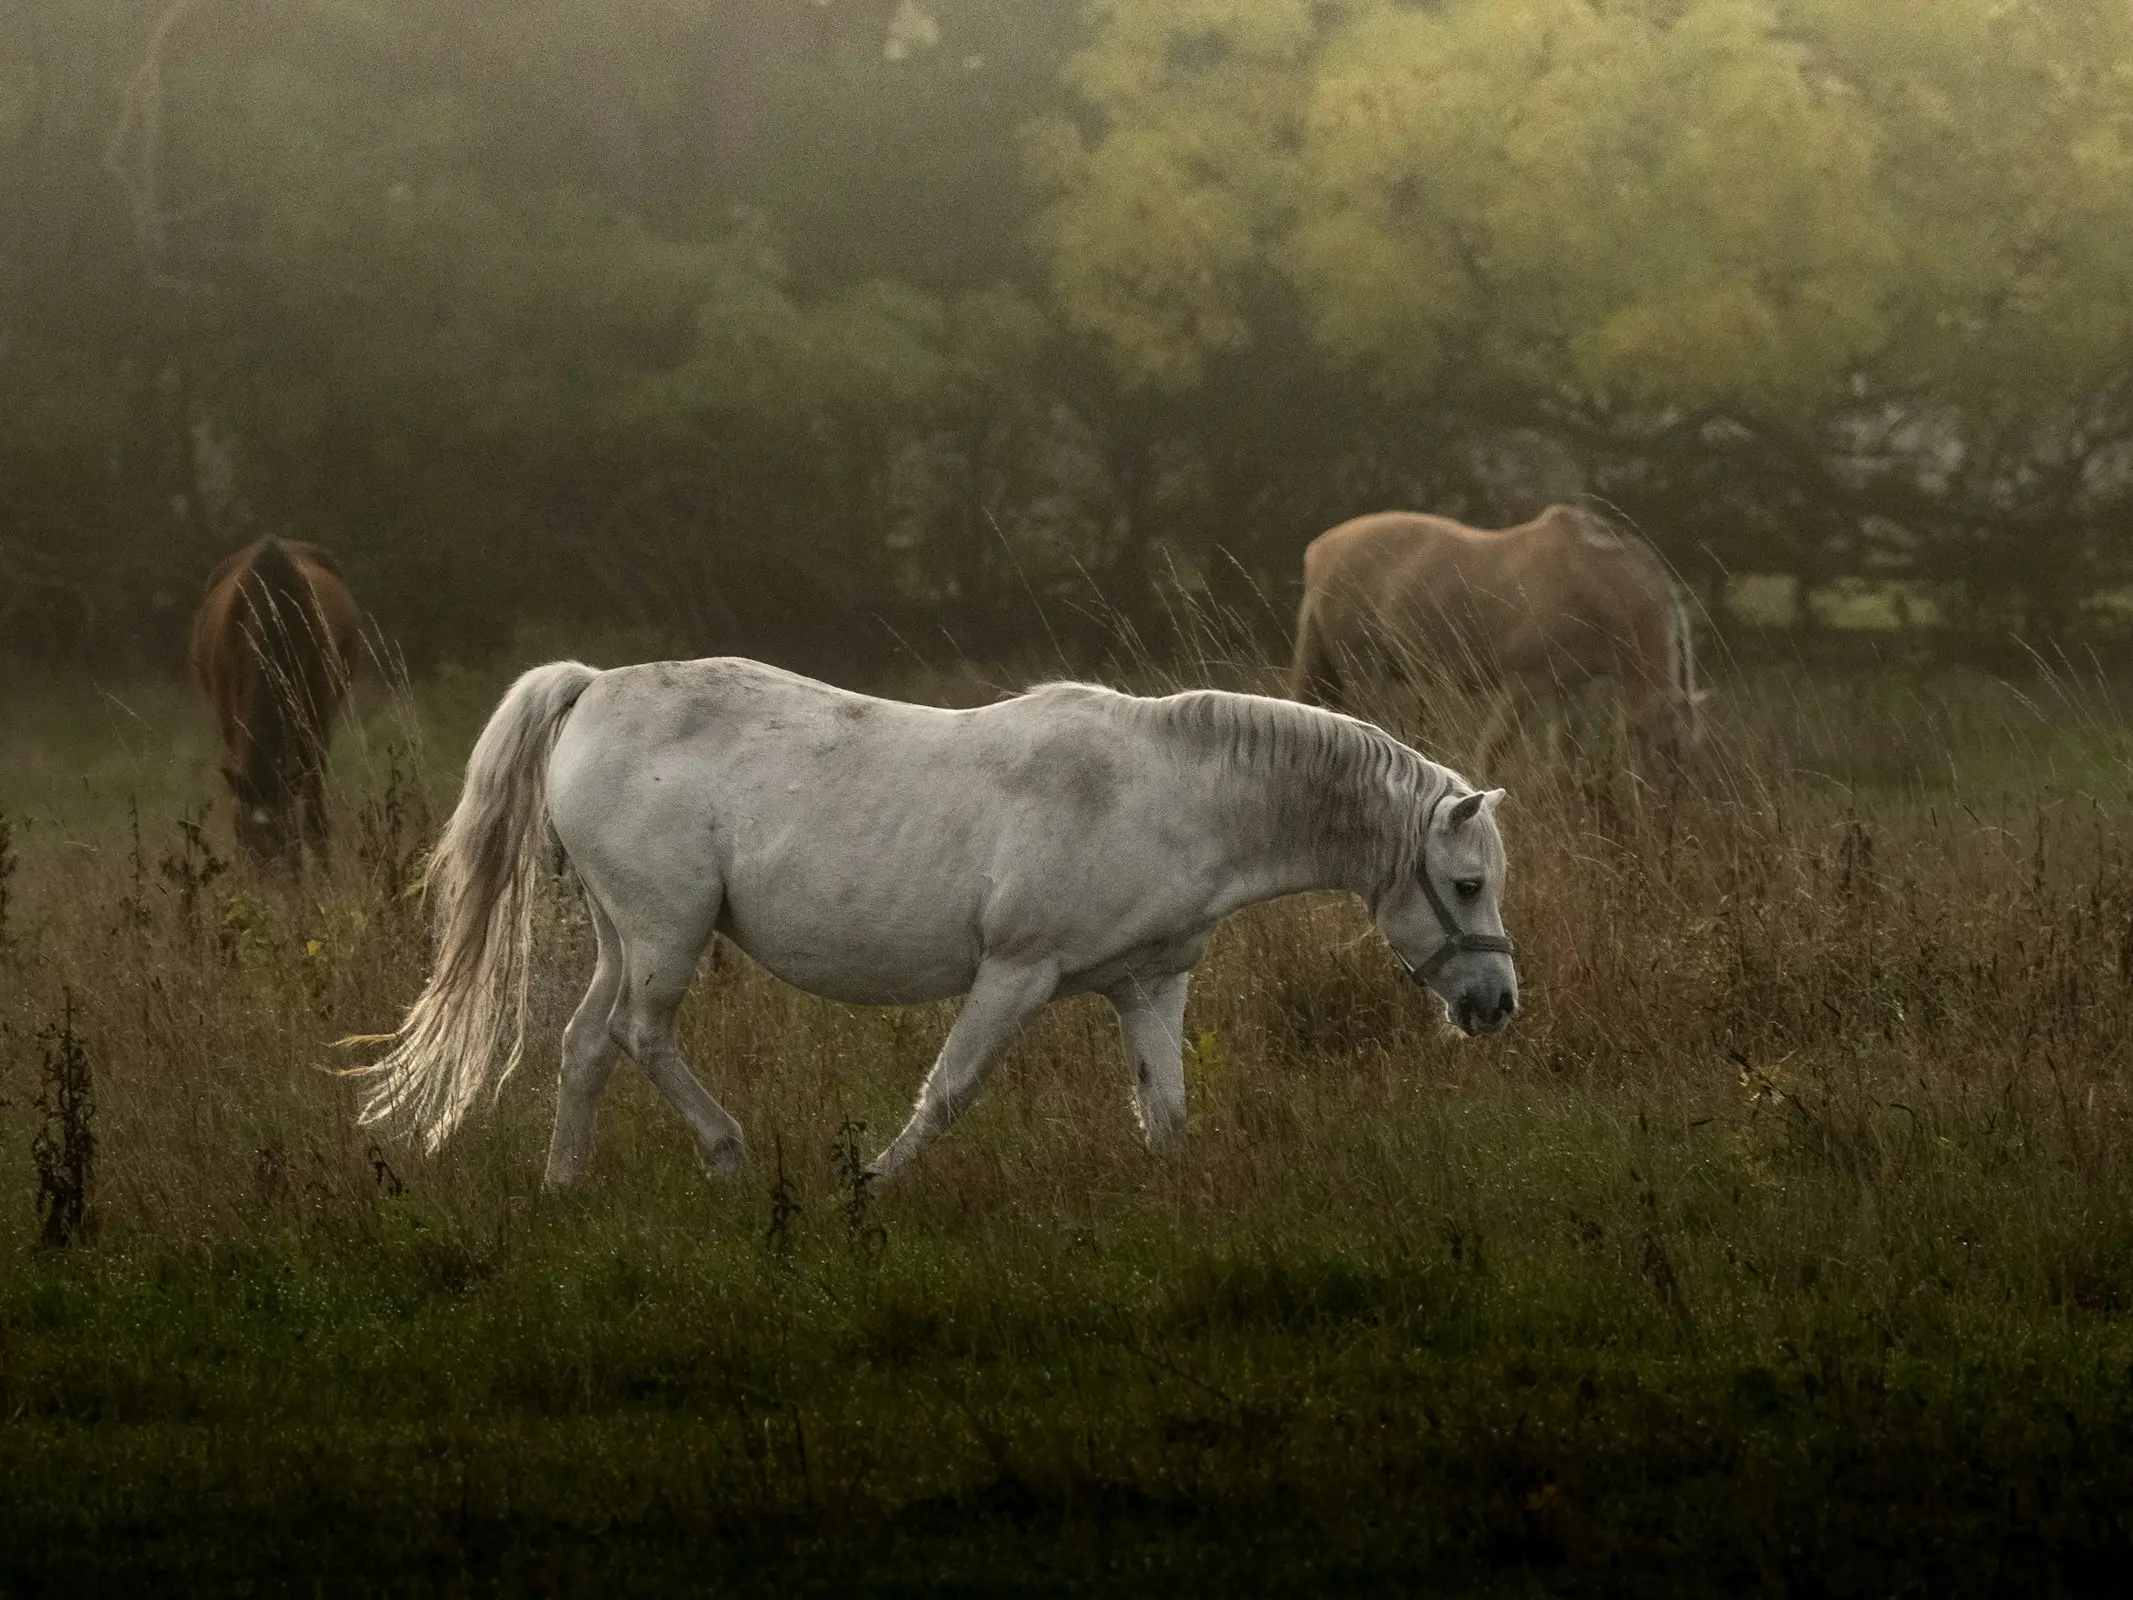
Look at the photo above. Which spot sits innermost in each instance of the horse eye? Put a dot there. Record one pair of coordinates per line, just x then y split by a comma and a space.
1468, 888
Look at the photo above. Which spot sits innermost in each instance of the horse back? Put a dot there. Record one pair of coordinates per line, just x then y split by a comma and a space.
1424, 588
1559, 591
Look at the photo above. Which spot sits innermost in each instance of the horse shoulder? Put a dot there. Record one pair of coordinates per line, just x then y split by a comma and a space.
1100, 834
1058, 753
1598, 595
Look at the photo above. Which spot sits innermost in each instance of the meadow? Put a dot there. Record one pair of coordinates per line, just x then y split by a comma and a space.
1784, 1244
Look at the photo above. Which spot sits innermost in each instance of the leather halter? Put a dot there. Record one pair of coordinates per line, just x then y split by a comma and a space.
1457, 940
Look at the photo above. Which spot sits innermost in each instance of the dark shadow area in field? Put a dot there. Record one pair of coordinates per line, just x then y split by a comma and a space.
1851, 1470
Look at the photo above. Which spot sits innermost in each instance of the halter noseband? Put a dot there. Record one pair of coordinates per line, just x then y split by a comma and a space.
1457, 940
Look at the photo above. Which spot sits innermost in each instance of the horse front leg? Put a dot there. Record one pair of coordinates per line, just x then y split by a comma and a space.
1002, 998
1151, 1019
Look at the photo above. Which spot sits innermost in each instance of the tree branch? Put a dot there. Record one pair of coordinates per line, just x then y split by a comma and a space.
135, 151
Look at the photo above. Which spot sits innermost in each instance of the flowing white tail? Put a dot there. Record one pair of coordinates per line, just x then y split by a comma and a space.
481, 886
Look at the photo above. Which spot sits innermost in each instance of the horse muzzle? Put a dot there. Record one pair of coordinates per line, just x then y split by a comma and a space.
1480, 1011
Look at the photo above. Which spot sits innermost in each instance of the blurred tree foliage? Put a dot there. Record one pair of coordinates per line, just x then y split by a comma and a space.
790, 325
1818, 285
502, 302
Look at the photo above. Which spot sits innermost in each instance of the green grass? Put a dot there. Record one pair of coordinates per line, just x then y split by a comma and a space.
1786, 1244
1874, 605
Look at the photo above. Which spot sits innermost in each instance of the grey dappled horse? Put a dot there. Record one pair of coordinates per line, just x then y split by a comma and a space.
1070, 840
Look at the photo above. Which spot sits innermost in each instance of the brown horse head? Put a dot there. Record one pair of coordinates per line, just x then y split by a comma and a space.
273, 645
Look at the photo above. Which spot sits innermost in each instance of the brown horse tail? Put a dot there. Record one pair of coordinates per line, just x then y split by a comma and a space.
482, 885
289, 690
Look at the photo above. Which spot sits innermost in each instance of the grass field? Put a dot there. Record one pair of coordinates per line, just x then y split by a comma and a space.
1785, 1244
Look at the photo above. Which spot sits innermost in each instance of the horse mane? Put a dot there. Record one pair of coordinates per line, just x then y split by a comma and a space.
1330, 777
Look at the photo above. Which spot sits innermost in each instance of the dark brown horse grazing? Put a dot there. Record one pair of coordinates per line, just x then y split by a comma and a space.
273, 645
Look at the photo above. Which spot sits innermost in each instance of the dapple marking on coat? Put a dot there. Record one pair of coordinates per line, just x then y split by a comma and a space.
272, 647
1537, 610
1070, 840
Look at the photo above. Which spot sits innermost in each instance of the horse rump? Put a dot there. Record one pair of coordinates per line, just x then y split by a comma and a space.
273, 647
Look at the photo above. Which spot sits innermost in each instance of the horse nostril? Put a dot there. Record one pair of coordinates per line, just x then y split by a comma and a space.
1507, 1004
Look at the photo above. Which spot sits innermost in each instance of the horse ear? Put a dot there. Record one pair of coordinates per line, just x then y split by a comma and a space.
1467, 807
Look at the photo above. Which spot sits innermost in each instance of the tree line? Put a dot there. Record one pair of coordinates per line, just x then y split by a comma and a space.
802, 327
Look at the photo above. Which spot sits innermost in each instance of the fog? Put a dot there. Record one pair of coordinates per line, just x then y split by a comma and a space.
806, 327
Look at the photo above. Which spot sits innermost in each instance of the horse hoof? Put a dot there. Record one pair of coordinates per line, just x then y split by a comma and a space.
727, 1160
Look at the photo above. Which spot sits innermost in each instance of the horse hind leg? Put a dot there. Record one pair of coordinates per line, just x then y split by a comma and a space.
588, 1060
658, 961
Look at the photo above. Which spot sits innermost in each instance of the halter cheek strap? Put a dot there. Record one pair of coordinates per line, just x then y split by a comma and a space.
1457, 940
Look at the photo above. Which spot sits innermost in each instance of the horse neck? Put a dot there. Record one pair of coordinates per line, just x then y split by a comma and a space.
1312, 800
1269, 867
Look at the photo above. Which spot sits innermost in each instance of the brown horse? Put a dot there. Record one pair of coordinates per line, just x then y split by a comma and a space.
1543, 608
273, 645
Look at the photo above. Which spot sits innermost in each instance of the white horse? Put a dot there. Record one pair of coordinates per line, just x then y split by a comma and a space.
1071, 840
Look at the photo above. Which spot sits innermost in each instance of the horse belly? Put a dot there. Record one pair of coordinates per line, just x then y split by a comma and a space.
863, 944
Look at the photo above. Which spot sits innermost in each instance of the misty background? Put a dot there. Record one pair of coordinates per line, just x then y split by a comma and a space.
821, 329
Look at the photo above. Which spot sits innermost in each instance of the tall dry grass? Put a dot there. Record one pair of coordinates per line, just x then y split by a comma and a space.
1875, 926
